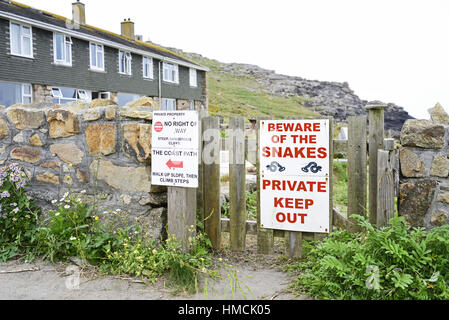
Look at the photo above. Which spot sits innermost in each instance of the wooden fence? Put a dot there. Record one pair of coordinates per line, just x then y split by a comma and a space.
378, 177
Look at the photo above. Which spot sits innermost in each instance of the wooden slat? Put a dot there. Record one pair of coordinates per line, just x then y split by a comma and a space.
181, 214
265, 237
376, 142
237, 184
211, 172
385, 187
331, 172
199, 194
293, 241
340, 146
356, 168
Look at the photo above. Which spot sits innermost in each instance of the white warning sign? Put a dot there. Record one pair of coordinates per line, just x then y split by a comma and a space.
174, 160
294, 168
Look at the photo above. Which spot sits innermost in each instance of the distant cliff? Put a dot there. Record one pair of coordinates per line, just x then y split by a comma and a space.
326, 98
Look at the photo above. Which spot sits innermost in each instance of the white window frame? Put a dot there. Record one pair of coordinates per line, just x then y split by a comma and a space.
22, 37
27, 95
66, 53
128, 62
167, 68
193, 77
148, 61
165, 102
56, 93
92, 66
23, 95
105, 95
82, 95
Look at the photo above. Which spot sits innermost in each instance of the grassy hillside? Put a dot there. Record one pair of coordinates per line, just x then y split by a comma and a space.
234, 95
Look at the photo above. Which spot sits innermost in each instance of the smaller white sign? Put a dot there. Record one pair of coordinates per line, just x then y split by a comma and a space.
175, 141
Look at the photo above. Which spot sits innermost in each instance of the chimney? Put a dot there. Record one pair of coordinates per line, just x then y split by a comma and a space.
128, 29
79, 12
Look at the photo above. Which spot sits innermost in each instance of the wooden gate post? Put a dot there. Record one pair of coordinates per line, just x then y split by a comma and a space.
181, 215
200, 196
237, 184
265, 237
376, 142
385, 183
356, 169
211, 179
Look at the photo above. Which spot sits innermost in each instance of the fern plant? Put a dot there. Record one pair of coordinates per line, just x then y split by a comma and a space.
394, 262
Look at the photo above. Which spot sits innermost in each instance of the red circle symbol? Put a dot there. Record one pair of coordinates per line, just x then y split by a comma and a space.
158, 126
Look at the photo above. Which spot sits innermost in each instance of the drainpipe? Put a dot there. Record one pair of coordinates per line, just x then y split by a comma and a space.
160, 85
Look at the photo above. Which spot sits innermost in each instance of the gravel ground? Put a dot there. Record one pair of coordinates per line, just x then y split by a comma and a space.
258, 276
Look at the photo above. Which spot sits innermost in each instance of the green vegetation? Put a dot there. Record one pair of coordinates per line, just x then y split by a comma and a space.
111, 247
391, 263
241, 95
251, 207
341, 186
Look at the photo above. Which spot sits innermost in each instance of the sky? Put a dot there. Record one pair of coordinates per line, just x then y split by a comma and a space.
389, 50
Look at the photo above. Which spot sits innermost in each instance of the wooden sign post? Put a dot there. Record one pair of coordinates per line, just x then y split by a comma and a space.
175, 159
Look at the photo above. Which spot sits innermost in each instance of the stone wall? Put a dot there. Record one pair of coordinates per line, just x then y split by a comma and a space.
96, 147
424, 181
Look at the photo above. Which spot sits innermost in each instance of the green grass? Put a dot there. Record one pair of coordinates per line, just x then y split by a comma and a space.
241, 95
341, 187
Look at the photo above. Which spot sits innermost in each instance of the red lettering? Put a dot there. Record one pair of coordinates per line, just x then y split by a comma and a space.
278, 202
322, 186
302, 215
290, 218
265, 184
298, 186
309, 203
322, 153
311, 153
307, 127
299, 153
266, 152
280, 217
294, 127
311, 185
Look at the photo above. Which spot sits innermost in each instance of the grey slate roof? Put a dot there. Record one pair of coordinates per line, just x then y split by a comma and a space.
59, 21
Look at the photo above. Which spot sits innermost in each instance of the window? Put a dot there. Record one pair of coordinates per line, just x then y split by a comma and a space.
27, 94
147, 68
168, 104
192, 105
105, 95
193, 78
125, 62
62, 49
21, 40
96, 57
82, 95
13, 93
124, 98
65, 95
170, 72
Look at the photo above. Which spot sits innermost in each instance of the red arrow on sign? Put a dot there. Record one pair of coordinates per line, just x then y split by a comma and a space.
175, 164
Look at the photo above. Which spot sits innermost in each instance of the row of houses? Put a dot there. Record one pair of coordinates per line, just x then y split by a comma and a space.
48, 58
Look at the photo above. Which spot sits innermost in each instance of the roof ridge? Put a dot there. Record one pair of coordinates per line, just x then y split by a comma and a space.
88, 26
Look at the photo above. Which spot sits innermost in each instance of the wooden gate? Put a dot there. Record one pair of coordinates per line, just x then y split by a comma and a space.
381, 173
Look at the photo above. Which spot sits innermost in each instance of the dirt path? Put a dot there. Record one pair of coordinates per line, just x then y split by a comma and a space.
45, 281
258, 277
